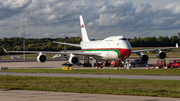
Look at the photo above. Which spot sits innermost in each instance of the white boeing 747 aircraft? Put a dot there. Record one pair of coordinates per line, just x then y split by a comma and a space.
111, 48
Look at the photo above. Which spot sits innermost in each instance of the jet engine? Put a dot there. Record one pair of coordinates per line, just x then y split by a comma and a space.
143, 57
41, 57
161, 55
73, 59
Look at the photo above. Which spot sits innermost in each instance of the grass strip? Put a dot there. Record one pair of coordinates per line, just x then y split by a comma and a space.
167, 72
160, 88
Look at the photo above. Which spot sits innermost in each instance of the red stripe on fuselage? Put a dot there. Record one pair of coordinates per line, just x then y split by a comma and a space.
124, 53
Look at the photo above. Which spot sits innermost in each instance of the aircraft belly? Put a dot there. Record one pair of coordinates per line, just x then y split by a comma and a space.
110, 55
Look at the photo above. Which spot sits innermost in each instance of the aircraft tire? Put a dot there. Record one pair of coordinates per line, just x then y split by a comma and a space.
106, 64
89, 65
85, 65
94, 64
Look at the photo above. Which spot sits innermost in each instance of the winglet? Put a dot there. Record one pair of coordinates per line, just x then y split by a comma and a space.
4, 49
177, 45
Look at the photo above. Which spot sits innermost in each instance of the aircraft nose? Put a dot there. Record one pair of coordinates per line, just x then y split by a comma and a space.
126, 45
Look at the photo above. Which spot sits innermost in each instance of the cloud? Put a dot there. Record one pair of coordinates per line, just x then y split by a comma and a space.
70, 35
173, 7
9, 8
48, 35
100, 16
27, 34
142, 19
20, 34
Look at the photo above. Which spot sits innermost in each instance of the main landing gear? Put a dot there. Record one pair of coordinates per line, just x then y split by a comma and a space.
87, 62
108, 63
99, 63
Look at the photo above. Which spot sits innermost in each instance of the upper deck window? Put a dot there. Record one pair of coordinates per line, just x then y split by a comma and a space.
122, 39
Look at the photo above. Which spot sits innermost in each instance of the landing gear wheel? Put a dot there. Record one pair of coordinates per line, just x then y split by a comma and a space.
94, 64
85, 65
105, 64
89, 65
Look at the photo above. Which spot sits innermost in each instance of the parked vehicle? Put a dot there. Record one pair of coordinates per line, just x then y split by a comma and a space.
173, 63
114, 64
161, 64
98, 65
138, 62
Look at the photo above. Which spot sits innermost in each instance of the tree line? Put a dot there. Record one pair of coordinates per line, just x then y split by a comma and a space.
46, 44
154, 42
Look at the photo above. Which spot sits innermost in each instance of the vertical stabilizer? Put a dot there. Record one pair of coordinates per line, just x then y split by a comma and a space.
83, 30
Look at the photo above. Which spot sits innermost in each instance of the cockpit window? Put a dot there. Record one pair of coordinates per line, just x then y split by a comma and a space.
122, 39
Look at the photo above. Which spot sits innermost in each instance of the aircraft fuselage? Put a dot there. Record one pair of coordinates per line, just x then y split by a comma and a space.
112, 48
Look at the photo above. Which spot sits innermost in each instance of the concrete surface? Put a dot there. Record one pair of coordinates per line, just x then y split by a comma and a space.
94, 76
58, 64
25, 95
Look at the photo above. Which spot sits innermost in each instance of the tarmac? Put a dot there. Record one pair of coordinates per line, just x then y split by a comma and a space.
26, 95
58, 64
106, 76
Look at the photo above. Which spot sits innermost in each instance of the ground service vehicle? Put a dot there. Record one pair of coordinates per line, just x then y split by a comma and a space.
114, 64
161, 64
138, 62
173, 63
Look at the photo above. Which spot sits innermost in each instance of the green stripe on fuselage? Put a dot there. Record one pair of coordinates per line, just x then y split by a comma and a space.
118, 52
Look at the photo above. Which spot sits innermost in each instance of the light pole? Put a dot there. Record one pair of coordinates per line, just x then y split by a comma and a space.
24, 42
64, 42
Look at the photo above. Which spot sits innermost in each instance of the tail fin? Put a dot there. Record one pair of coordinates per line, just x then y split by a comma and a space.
83, 30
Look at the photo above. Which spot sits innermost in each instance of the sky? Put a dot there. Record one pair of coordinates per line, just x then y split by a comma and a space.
102, 18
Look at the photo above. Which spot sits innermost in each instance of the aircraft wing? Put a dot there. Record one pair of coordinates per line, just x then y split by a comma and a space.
138, 51
76, 45
80, 53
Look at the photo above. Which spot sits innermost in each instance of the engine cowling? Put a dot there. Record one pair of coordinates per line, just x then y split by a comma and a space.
144, 57
41, 58
161, 55
73, 59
